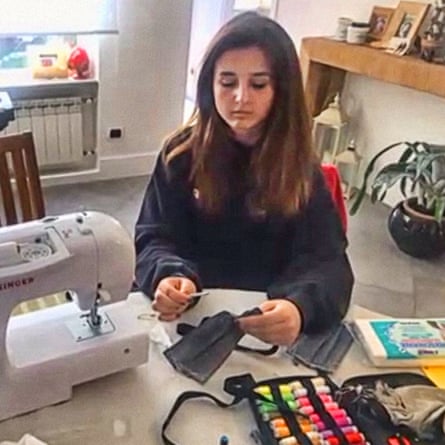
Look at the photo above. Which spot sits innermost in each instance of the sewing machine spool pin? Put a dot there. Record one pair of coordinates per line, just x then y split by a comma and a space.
94, 317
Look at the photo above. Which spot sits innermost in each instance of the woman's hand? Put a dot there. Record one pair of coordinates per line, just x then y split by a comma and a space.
172, 296
279, 324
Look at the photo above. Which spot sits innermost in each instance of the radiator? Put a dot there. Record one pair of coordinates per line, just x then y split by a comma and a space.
64, 128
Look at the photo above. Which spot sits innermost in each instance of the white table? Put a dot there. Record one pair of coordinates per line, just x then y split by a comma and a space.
130, 407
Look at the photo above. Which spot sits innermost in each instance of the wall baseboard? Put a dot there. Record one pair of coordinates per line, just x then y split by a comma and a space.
110, 167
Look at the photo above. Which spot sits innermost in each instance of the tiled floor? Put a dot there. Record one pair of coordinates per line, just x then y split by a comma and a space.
387, 280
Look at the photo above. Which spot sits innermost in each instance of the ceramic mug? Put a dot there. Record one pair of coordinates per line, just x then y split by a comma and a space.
357, 33
342, 28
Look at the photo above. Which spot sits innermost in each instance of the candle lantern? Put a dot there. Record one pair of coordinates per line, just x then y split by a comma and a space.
329, 131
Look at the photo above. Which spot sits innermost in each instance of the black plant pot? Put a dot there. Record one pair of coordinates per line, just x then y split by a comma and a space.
415, 233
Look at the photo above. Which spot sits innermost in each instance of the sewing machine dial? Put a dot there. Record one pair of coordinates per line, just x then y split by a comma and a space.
34, 251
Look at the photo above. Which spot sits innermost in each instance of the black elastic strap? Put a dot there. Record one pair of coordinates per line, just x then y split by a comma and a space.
267, 351
238, 386
187, 395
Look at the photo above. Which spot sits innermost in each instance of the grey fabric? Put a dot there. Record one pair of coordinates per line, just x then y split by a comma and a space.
204, 349
420, 407
323, 351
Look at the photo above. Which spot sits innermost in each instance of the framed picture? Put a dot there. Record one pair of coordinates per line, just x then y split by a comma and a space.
379, 21
406, 21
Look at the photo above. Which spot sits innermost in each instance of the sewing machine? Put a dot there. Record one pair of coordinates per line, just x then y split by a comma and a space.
43, 354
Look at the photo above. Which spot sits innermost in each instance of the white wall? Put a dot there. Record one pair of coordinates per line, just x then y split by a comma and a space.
142, 81
381, 113
207, 18
142, 76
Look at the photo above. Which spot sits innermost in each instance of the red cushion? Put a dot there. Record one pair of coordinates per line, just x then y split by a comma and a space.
333, 182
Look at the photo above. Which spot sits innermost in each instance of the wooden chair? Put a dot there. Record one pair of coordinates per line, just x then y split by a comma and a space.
24, 202
18, 162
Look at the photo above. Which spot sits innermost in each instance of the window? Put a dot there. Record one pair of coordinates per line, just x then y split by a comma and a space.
31, 17
265, 7
32, 28
18, 51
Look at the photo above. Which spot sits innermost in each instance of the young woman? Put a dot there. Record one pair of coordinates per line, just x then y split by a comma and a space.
237, 198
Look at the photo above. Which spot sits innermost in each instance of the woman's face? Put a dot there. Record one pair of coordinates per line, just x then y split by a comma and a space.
243, 91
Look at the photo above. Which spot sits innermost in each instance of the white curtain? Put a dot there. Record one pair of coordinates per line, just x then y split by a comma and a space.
21, 17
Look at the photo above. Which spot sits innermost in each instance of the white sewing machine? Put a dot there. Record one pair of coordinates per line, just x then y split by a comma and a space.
43, 354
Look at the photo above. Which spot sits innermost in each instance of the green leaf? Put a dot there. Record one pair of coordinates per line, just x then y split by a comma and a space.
369, 169
403, 186
378, 192
425, 163
439, 187
415, 166
390, 175
406, 155
419, 147
439, 212
382, 194
374, 194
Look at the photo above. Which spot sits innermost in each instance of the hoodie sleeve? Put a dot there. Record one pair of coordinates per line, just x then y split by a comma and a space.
318, 278
162, 233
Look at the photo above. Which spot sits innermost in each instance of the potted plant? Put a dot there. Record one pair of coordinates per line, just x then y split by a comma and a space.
417, 224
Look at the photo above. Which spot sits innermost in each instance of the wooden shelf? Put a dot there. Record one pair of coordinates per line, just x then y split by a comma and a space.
325, 62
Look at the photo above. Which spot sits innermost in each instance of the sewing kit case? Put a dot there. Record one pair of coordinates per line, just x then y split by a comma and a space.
313, 410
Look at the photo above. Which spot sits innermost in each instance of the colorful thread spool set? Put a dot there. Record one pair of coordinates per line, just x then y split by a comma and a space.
317, 415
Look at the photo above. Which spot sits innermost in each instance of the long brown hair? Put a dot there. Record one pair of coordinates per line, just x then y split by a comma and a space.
283, 165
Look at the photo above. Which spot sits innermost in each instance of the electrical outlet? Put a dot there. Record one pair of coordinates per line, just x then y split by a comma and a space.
115, 133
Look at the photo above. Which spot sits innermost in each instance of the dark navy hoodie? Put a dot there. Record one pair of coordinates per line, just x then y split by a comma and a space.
300, 257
